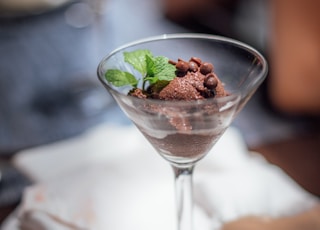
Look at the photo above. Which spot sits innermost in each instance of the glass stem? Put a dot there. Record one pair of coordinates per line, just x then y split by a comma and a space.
184, 199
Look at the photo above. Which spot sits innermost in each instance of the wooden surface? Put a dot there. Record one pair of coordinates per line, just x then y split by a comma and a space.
299, 157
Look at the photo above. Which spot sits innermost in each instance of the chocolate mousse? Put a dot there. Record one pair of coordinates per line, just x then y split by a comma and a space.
194, 80
180, 132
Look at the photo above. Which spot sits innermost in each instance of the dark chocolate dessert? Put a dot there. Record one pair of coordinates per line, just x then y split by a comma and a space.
181, 132
194, 80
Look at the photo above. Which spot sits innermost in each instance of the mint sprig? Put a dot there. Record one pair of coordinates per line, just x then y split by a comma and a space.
153, 69
120, 78
137, 59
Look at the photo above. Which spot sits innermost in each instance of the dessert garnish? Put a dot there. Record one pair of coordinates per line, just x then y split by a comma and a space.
153, 69
166, 79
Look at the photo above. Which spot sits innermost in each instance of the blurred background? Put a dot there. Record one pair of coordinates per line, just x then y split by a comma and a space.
49, 52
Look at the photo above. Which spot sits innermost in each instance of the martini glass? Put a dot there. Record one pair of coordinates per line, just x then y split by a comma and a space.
183, 132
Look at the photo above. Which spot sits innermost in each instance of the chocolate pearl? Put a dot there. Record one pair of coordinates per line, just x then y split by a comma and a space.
182, 66
180, 73
206, 68
193, 66
196, 60
211, 81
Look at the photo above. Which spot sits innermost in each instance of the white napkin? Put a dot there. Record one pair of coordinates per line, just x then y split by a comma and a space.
111, 178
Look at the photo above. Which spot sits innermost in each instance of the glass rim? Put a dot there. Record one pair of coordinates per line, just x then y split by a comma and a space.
233, 96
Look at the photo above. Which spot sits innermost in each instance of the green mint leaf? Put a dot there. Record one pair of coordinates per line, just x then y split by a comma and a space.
120, 78
151, 70
158, 69
163, 69
137, 59
154, 70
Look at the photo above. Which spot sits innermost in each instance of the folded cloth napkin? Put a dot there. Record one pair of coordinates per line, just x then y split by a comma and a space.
111, 178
